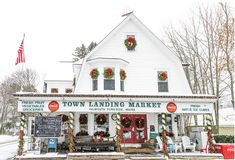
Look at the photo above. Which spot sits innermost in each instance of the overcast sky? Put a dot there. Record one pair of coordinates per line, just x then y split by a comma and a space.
54, 28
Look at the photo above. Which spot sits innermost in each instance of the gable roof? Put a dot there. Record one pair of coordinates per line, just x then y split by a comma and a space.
131, 16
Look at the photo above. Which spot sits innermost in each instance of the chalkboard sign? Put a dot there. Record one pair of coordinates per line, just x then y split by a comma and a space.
47, 127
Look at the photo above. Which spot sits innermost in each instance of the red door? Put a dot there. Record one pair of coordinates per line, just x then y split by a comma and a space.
134, 128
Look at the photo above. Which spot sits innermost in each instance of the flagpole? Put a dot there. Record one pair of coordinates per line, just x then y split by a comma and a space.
22, 67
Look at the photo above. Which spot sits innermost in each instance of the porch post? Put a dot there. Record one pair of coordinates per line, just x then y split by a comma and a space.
71, 130
164, 140
211, 147
118, 132
21, 135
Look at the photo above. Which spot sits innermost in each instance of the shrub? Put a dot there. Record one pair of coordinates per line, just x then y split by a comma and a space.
224, 138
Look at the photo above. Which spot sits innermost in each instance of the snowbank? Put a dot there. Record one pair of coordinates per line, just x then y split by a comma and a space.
7, 138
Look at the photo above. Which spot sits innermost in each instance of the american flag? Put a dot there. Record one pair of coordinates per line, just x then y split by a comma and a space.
21, 57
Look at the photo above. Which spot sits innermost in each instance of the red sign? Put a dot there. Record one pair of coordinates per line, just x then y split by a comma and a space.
171, 107
53, 106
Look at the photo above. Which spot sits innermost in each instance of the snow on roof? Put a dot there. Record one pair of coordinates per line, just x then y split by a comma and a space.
60, 71
226, 116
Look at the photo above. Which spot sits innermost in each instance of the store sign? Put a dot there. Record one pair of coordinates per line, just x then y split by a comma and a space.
113, 106
171, 107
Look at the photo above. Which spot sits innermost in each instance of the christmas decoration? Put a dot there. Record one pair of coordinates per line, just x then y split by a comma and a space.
122, 74
83, 119
139, 122
21, 136
102, 134
94, 73
82, 133
211, 147
162, 76
108, 73
71, 129
126, 122
169, 134
130, 43
164, 134
118, 132
101, 119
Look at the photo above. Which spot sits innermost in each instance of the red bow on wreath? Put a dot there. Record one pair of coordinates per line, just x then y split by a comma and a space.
131, 40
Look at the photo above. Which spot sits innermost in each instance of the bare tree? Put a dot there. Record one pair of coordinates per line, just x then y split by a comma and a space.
207, 44
21, 80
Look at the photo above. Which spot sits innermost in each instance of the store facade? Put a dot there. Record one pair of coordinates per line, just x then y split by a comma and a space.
121, 89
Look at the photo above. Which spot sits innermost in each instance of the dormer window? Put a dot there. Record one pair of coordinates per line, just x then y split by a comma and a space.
109, 79
130, 42
162, 81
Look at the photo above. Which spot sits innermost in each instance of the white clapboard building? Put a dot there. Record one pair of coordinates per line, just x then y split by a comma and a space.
130, 72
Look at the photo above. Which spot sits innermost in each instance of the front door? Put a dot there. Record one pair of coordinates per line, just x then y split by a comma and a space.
134, 128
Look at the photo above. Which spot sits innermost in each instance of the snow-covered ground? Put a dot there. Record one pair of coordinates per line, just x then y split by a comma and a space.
7, 138
8, 146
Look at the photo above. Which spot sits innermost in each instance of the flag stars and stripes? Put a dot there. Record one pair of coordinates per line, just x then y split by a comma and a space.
20, 58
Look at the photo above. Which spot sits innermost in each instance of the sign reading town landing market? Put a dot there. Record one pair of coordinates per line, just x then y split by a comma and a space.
112, 107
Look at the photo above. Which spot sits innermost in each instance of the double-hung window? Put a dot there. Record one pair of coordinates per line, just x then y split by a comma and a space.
109, 79
162, 81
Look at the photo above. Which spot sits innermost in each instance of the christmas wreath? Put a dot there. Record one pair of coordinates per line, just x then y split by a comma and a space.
126, 122
122, 74
94, 73
130, 43
101, 119
139, 122
108, 73
162, 76
83, 119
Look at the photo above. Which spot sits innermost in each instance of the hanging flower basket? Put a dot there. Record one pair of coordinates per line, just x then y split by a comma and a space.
108, 73
162, 76
122, 74
139, 122
94, 73
130, 43
101, 119
83, 119
126, 122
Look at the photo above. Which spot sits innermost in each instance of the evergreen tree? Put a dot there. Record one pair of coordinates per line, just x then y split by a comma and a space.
81, 52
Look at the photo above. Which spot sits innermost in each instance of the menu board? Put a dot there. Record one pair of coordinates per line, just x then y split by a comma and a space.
47, 127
